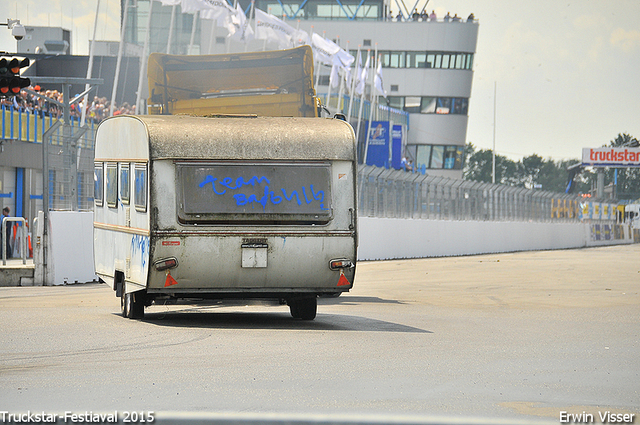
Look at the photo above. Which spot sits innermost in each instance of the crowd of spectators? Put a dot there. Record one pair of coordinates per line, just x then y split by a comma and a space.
424, 16
97, 109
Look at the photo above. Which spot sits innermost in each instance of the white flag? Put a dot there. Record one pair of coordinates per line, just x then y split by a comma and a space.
238, 26
356, 72
323, 49
363, 77
334, 78
347, 77
300, 38
378, 80
193, 6
270, 28
217, 10
344, 59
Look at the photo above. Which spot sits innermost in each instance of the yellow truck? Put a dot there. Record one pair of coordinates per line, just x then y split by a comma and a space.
269, 84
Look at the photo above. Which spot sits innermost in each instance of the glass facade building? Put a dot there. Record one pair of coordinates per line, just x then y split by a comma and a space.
427, 64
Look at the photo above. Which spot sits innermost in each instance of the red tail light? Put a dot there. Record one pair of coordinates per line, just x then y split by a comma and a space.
166, 263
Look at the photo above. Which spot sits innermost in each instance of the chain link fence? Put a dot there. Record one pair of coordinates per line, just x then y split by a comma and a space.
383, 192
401, 194
70, 165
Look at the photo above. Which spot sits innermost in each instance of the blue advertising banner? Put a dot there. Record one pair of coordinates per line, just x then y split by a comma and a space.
378, 150
396, 146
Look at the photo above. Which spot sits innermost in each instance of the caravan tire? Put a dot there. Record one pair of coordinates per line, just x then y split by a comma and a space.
304, 308
132, 305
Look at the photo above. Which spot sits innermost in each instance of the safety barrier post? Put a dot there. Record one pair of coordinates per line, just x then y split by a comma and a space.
19, 124
11, 122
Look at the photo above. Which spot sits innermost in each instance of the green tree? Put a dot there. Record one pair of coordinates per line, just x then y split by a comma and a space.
582, 181
479, 164
628, 179
530, 168
554, 176
530, 171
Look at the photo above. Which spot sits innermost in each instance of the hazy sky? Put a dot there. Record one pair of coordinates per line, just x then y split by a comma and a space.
567, 72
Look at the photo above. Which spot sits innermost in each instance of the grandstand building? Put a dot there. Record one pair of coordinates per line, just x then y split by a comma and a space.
427, 63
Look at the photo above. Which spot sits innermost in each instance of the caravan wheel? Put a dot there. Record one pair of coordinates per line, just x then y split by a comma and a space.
304, 308
132, 305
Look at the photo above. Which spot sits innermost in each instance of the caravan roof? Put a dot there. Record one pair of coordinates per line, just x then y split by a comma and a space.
217, 138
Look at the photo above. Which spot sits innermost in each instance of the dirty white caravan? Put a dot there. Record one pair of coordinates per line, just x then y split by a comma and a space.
225, 208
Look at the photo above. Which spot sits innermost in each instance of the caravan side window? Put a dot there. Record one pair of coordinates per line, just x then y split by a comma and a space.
140, 195
97, 183
124, 184
112, 185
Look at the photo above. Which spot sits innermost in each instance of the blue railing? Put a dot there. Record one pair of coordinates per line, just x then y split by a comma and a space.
30, 126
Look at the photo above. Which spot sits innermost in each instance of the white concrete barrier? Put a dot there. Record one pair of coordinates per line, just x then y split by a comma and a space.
71, 248
390, 238
71, 240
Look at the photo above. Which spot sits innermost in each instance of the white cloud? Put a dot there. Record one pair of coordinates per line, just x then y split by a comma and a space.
627, 41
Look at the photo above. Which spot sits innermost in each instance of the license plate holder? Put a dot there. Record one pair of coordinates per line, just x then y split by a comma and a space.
254, 255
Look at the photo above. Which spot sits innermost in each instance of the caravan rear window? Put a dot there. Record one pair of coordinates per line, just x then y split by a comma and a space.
254, 192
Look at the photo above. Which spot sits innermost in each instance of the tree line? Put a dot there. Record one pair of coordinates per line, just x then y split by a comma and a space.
535, 172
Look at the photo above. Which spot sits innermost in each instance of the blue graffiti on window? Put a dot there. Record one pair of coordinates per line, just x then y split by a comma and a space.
269, 195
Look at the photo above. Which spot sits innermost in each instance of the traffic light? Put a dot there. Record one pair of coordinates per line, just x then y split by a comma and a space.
10, 81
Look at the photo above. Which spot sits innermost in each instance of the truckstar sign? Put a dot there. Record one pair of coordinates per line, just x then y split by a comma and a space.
611, 157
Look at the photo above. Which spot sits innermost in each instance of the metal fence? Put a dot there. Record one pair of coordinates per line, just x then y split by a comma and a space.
401, 194
70, 166
29, 126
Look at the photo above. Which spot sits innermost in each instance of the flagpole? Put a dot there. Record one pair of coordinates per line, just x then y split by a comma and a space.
214, 26
90, 67
341, 91
251, 16
324, 35
119, 60
317, 65
330, 87
330, 75
228, 42
354, 79
371, 102
264, 45
173, 15
143, 59
193, 31
362, 100
284, 17
329, 90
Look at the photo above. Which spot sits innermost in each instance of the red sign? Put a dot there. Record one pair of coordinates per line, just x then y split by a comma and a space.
170, 243
611, 157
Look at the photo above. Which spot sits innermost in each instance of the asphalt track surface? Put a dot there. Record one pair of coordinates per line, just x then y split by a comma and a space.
507, 337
